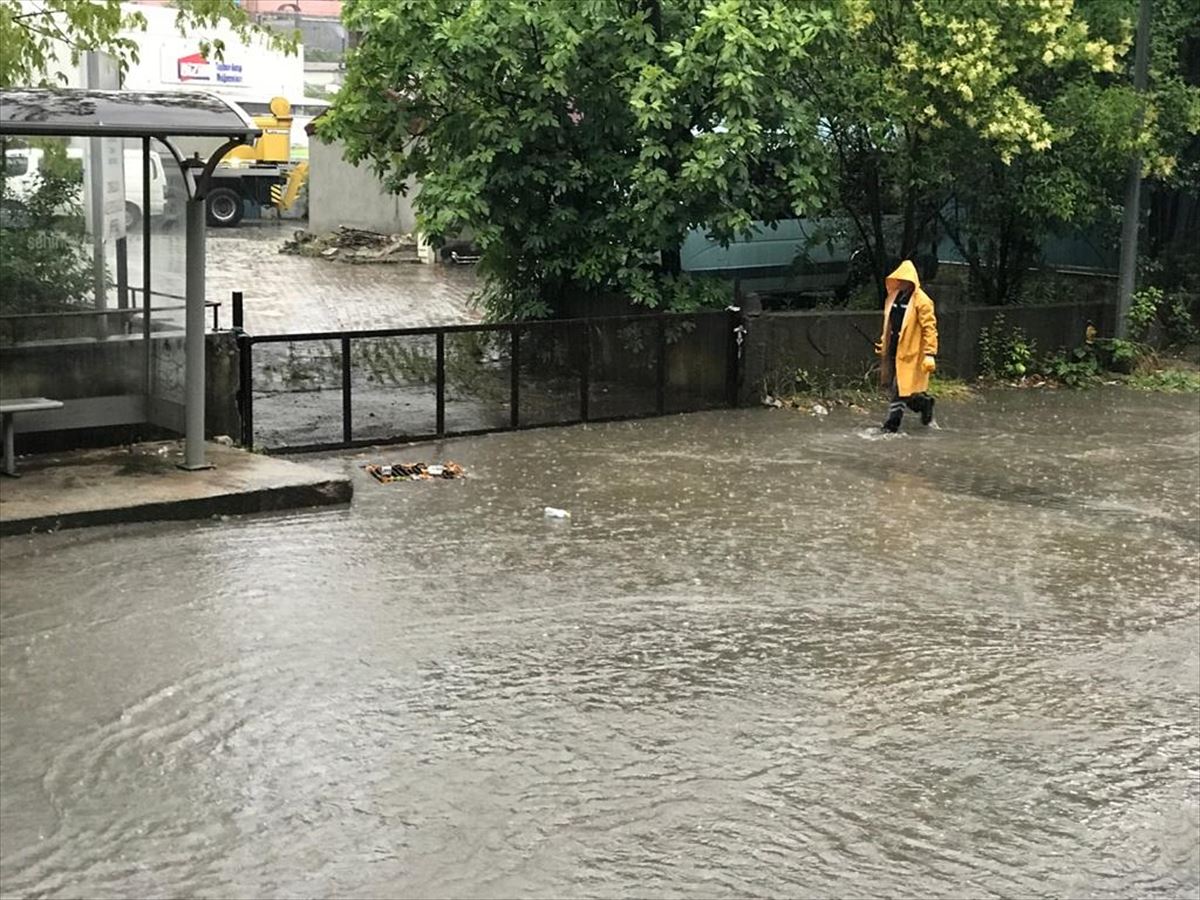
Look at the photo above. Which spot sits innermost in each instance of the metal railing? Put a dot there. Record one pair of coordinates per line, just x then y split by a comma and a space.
15, 325
721, 356
214, 305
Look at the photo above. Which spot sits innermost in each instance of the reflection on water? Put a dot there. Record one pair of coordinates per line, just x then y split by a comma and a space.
764, 657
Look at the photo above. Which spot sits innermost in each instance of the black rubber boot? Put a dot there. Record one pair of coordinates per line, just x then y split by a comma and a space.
927, 411
892, 423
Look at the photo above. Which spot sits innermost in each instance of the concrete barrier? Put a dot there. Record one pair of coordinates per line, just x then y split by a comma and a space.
102, 383
103, 388
842, 342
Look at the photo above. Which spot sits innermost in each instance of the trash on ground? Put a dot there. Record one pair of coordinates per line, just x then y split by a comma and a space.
553, 512
415, 472
354, 245
816, 407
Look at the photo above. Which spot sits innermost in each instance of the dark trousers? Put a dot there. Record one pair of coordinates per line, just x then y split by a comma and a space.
896, 405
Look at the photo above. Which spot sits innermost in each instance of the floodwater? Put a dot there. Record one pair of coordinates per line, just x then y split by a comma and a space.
769, 655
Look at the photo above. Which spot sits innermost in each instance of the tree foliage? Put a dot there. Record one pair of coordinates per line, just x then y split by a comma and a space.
580, 142
992, 124
35, 33
45, 264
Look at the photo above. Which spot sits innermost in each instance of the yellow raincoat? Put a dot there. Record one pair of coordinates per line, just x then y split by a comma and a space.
918, 334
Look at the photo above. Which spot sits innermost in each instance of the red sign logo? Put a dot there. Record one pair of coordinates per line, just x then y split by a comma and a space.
194, 68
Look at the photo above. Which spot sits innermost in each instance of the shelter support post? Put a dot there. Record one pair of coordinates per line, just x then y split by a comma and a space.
194, 451
147, 361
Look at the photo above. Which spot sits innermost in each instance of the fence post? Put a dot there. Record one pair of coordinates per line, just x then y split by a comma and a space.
660, 375
441, 383
122, 274
514, 406
732, 357
246, 389
238, 322
585, 372
346, 431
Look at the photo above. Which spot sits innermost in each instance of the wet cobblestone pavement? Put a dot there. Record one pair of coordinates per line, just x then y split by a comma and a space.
297, 294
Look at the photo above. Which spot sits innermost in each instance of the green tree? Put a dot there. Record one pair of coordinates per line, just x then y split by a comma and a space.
579, 142
992, 123
33, 33
45, 264
1169, 259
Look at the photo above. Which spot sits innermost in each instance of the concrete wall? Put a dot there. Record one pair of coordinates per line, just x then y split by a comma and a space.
842, 342
101, 384
343, 194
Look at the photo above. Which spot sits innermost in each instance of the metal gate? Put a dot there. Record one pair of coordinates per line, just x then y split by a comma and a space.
338, 389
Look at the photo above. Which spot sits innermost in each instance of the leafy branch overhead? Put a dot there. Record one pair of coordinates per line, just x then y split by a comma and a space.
580, 142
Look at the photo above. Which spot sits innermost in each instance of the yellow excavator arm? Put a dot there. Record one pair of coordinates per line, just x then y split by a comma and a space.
275, 142
284, 195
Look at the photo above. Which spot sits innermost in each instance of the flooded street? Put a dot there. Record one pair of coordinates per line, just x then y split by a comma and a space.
769, 655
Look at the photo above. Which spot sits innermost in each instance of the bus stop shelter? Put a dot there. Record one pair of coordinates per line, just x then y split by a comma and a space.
152, 118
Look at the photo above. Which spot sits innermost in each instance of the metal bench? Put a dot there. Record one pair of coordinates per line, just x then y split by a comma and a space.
8, 409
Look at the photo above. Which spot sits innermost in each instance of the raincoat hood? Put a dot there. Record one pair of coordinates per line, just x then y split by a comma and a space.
906, 271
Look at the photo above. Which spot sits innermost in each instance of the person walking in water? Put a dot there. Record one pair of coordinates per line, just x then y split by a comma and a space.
908, 347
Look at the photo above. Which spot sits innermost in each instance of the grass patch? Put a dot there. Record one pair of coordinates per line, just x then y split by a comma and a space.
818, 390
1168, 381
813, 391
951, 389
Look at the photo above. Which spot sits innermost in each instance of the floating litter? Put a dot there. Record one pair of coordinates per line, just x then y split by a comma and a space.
415, 472
553, 512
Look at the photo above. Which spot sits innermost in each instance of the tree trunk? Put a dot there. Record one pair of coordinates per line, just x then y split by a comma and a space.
879, 254
672, 261
1002, 268
908, 243
654, 8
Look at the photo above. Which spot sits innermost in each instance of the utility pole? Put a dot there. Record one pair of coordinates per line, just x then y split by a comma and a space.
1133, 182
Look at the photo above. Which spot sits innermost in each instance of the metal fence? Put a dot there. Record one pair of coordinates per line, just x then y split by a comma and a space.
327, 390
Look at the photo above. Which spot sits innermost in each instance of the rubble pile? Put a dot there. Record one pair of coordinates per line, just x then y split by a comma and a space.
415, 472
354, 245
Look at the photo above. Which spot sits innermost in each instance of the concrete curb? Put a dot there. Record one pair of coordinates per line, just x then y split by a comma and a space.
334, 492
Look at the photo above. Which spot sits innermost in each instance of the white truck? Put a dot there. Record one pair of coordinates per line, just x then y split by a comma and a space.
23, 164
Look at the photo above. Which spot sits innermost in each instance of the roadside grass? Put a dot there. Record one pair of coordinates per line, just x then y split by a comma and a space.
821, 392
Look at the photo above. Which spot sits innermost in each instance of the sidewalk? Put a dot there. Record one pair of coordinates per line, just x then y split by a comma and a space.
142, 483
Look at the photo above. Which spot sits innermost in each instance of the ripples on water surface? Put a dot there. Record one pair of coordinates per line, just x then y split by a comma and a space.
765, 657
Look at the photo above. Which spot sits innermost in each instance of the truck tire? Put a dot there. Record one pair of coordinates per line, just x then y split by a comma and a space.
224, 207
133, 217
